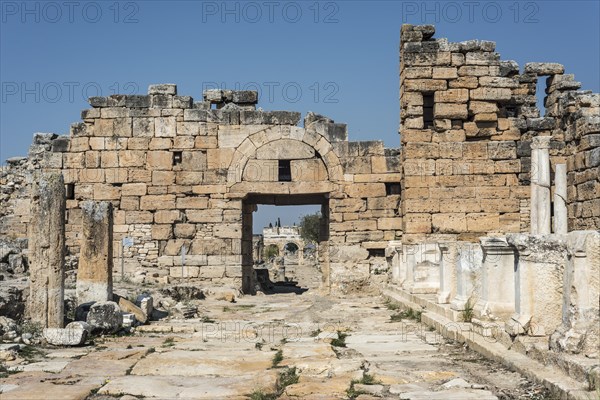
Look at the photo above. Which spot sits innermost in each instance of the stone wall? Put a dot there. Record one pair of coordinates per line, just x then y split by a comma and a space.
177, 174
467, 119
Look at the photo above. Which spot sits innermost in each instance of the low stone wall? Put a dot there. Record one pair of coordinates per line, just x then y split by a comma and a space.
536, 294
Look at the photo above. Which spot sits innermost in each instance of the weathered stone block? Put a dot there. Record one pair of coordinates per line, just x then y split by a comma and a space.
451, 96
544, 68
450, 110
157, 202
495, 94
163, 88
165, 126
73, 335
105, 316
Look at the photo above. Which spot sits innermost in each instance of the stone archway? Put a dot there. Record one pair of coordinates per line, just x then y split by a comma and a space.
255, 177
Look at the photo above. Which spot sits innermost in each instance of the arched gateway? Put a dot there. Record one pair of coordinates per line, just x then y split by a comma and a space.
185, 177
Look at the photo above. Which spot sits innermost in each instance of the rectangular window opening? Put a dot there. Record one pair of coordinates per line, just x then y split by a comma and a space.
392, 188
428, 110
70, 191
285, 171
177, 157
376, 253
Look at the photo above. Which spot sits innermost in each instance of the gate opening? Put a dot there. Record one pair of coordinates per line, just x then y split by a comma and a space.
276, 256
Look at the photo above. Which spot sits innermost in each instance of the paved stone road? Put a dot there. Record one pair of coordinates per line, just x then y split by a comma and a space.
277, 346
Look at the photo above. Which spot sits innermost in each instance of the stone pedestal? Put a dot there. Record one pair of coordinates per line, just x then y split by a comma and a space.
539, 283
448, 265
468, 274
407, 265
580, 332
497, 300
560, 199
426, 268
94, 274
47, 250
540, 186
394, 250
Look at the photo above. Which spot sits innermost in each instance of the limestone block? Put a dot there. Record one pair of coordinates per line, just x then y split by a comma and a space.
189, 178
475, 150
165, 126
130, 307
161, 232
494, 94
163, 178
167, 216
544, 68
424, 85
219, 158
472, 71
163, 88
366, 190
157, 202
195, 202
122, 127
73, 335
450, 110
417, 223
502, 150
467, 82
478, 107
444, 73
499, 82
194, 160
185, 231
233, 136
46, 234
308, 170
261, 170
285, 149
159, 160
184, 271
229, 231
184, 142
160, 144
449, 222
133, 189
482, 58
143, 127
416, 72
451, 96
105, 316
131, 158
483, 222
94, 274
204, 216
421, 150
389, 223
137, 217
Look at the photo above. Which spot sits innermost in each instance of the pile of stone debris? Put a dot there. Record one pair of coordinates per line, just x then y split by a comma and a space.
103, 317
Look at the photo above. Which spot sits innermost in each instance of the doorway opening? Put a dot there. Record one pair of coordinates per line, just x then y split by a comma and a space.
277, 255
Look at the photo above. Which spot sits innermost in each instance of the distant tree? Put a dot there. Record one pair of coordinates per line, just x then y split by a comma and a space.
310, 226
271, 251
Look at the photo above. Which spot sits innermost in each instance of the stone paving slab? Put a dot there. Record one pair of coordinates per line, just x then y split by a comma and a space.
205, 387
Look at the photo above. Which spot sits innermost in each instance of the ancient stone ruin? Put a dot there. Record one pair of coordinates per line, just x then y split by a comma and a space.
486, 218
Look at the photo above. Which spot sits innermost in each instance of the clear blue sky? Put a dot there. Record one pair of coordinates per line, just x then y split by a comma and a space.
338, 58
